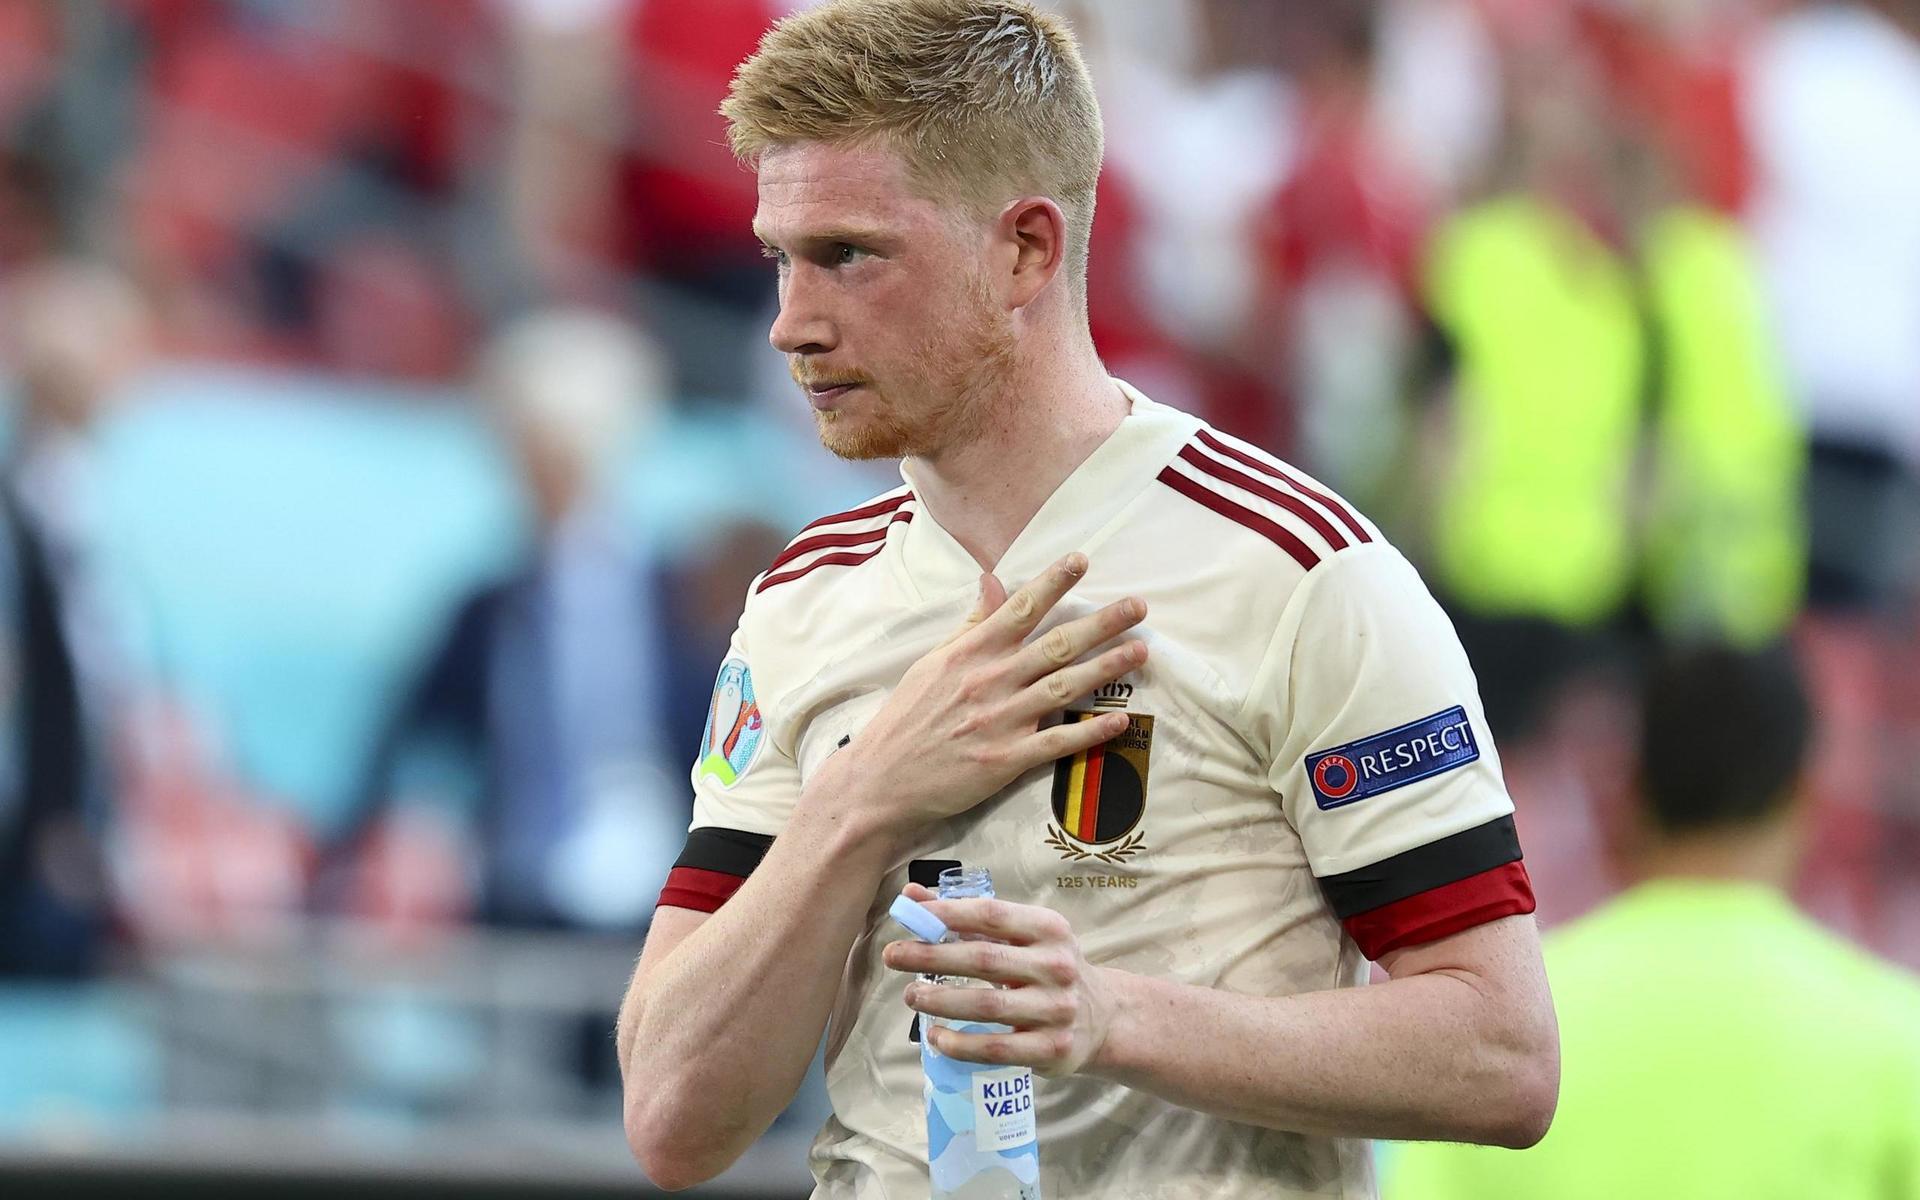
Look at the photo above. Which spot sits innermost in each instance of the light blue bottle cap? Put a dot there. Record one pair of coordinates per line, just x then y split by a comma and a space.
919, 921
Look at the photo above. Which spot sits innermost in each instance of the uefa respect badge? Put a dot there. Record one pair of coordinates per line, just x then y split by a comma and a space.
731, 740
1404, 754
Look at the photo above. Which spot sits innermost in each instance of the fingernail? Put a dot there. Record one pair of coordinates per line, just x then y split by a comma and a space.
1076, 563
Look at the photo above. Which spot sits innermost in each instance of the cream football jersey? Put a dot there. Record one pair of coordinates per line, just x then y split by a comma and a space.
1307, 782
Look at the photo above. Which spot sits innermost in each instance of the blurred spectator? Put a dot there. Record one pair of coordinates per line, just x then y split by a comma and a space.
542, 723
74, 331
1340, 240
1715, 1043
1615, 433
1542, 368
563, 140
1833, 104
1437, 91
1200, 132
47, 924
291, 229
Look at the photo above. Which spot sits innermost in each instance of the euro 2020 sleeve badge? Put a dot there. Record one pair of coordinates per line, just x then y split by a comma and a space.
731, 740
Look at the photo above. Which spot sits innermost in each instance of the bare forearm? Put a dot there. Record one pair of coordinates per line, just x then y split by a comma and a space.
713, 1043
1430, 1056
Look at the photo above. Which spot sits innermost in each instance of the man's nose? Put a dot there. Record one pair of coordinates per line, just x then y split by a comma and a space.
801, 326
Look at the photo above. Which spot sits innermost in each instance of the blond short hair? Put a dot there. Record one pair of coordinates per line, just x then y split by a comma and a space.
987, 100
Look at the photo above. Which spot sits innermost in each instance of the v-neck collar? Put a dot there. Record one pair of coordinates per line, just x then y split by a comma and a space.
1074, 517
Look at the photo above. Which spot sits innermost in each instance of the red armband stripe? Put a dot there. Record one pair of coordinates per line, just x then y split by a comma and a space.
699, 889
1428, 916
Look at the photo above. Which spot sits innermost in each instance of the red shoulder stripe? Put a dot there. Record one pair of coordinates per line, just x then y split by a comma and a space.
1300, 551
1293, 504
1333, 503
864, 511
821, 541
845, 559
1428, 916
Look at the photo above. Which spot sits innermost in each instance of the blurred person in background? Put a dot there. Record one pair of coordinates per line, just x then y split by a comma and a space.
1203, 132
142, 788
1613, 428
540, 728
1837, 221
1832, 109
1717, 1042
1339, 242
1538, 371
73, 331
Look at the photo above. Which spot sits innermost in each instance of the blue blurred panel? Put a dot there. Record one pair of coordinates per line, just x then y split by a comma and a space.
287, 546
718, 464
73, 1053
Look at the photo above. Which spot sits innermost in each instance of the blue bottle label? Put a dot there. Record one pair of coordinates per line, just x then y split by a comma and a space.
1003, 1108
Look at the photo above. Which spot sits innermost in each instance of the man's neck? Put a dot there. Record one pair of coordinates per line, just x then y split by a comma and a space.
1054, 410
1766, 853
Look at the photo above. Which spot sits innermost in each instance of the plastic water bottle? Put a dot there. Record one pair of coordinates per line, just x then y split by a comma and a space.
982, 1143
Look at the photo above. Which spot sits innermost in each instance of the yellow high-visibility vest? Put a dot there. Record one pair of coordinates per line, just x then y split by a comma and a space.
1715, 1044
1539, 516
1534, 518
1726, 537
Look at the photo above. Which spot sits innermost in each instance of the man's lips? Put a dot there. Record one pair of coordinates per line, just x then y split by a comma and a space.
825, 395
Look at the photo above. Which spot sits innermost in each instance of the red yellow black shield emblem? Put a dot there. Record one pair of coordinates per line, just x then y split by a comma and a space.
1099, 795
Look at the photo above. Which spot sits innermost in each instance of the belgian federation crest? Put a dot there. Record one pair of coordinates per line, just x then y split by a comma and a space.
731, 740
1100, 794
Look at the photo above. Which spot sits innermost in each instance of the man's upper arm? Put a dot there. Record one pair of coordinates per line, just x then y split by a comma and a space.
1500, 960
1383, 760
744, 786
1504, 952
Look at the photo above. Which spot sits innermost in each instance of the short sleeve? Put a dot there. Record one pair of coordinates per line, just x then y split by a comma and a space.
1382, 758
744, 788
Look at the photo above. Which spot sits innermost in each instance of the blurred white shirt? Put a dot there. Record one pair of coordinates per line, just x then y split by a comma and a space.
1833, 106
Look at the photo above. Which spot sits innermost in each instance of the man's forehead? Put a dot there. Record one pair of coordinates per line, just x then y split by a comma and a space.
808, 187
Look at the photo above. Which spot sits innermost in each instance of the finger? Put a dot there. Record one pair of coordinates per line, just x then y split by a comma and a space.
1051, 693
986, 602
1040, 1049
973, 960
1022, 1008
1029, 605
1001, 920
1068, 641
1069, 738
993, 594
914, 891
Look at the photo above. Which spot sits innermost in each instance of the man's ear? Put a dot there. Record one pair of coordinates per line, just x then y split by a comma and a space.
1036, 230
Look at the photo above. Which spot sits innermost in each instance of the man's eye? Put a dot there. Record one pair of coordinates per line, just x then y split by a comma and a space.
846, 252
779, 256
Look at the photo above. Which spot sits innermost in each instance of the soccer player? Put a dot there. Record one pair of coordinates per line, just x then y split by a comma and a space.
1217, 744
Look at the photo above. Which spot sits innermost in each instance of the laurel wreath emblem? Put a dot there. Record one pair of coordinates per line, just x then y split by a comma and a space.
1131, 845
